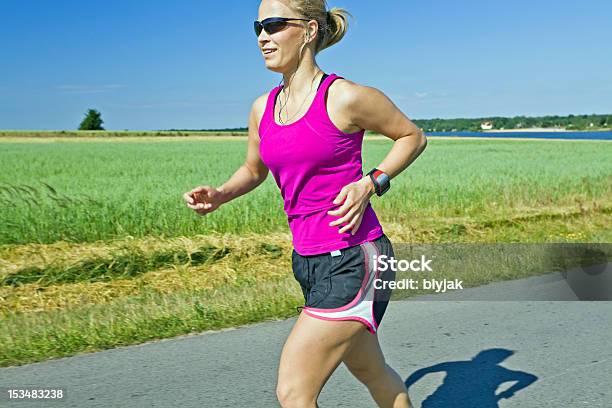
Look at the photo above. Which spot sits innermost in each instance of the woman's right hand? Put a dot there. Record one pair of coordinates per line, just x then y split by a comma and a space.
203, 199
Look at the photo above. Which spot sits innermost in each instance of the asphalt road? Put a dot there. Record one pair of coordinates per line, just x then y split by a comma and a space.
453, 353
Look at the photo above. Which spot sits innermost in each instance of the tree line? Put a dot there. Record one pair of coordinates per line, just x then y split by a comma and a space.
570, 122
93, 121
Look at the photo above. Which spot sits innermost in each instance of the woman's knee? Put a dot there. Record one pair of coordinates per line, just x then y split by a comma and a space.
293, 394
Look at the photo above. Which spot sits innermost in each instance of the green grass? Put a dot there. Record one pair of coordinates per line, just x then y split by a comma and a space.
146, 316
111, 190
60, 299
123, 264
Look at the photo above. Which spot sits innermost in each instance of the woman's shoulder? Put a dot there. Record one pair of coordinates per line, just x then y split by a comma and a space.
344, 99
345, 92
259, 106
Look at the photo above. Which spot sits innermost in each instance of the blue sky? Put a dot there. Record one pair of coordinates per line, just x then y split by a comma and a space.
195, 64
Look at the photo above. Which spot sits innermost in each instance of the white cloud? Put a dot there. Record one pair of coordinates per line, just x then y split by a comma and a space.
419, 95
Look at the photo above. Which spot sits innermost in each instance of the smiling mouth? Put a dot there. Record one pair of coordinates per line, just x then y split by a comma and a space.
266, 52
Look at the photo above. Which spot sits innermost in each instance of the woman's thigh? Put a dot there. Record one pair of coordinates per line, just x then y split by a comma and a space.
365, 359
312, 352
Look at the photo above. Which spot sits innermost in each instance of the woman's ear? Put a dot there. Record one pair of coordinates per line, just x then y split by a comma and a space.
307, 35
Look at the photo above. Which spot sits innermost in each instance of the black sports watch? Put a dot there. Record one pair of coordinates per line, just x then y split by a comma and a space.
381, 181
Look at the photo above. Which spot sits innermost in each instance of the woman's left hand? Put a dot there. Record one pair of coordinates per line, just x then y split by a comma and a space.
357, 196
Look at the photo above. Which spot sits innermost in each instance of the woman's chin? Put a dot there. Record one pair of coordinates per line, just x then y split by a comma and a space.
273, 67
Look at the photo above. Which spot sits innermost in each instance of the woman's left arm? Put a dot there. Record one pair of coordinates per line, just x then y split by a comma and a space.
371, 109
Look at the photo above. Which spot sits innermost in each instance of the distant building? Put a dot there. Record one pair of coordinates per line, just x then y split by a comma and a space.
486, 125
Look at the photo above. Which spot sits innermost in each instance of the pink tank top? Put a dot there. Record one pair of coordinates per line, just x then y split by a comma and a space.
311, 160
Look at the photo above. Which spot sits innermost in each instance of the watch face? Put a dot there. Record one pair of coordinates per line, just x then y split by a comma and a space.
382, 184
382, 179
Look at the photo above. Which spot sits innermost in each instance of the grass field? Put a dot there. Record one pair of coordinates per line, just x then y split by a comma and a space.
98, 249
100, 190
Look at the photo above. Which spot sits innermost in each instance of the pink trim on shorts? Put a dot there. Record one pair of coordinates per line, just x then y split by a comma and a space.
374, 288
371, 329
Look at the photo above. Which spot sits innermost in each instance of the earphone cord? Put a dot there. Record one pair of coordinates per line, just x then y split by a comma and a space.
302, 104
289, 91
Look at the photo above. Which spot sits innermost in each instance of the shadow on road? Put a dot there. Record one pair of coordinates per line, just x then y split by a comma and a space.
473, 383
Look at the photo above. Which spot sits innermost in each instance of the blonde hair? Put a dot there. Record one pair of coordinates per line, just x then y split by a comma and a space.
332, 24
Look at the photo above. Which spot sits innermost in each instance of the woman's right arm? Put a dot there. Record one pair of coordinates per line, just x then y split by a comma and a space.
253, 172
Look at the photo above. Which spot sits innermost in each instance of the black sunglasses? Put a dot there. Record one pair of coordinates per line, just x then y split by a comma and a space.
273, 24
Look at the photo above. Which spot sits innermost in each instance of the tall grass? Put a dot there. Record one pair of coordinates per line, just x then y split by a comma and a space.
83, 192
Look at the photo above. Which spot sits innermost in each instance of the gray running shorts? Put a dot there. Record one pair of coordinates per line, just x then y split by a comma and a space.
340, 285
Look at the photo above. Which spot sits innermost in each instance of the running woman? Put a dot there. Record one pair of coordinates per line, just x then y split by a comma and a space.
308, 132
